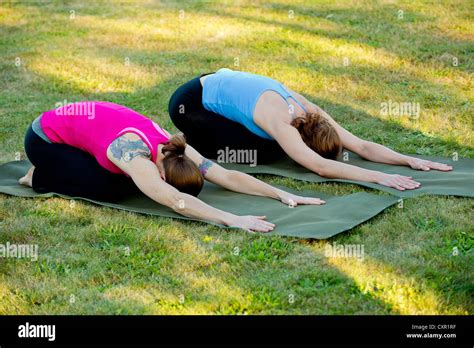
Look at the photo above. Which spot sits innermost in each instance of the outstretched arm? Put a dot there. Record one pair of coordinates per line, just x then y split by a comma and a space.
290, 141
370, 150
244, 183
131, 155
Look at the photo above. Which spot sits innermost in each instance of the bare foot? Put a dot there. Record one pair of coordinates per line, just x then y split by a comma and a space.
27, 180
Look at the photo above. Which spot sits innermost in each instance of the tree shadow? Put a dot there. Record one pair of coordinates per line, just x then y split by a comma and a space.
368, 27
206, 271
432, 94
153, 102
275, 286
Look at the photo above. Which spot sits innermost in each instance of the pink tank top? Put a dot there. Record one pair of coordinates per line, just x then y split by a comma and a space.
92, 126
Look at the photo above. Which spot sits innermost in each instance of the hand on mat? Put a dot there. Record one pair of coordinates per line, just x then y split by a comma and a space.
398, 182
252, 223
293, 200
421, 164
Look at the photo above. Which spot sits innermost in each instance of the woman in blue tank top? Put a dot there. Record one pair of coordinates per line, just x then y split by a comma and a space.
228, 113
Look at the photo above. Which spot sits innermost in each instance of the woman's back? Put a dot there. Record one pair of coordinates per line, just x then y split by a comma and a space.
92, 126
234, 94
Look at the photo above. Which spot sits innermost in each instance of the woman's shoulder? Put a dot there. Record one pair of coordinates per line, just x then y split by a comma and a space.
224, 71
126, 147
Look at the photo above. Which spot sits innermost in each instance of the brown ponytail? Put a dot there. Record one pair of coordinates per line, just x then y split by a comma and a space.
319, 135
180, 171
175, 146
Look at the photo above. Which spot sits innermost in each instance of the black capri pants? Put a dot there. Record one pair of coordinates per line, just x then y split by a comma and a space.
68, 170
209, 132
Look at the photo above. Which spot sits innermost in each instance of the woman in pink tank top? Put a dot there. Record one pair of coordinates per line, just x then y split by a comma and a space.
106, 151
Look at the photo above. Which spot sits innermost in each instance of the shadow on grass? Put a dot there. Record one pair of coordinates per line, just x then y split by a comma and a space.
193, 260
200, 263
153, 102
435, 95
368, 27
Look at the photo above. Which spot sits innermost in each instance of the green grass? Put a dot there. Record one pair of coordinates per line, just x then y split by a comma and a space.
99, 260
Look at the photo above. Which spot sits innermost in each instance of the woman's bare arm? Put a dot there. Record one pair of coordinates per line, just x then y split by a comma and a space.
244, 183
290, 140
130, 154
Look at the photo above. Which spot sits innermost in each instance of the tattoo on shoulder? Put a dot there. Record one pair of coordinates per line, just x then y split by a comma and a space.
205, 165
125, 149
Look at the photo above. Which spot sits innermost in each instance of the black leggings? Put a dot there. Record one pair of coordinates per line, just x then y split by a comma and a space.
208, 132
68, 170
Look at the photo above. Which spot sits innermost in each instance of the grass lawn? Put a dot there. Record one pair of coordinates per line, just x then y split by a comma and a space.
347, 57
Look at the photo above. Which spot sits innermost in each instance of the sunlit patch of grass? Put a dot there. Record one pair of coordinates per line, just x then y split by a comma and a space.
406, 295
11, 18
417, 256
93, 74
10, 302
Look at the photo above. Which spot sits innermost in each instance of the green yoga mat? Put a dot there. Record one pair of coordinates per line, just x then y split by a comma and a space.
339, 214
459, 182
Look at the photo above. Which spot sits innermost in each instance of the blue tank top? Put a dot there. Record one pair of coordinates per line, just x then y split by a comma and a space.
234, 94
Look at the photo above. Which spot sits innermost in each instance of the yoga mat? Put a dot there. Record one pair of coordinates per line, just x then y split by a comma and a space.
339, 214
458, 182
